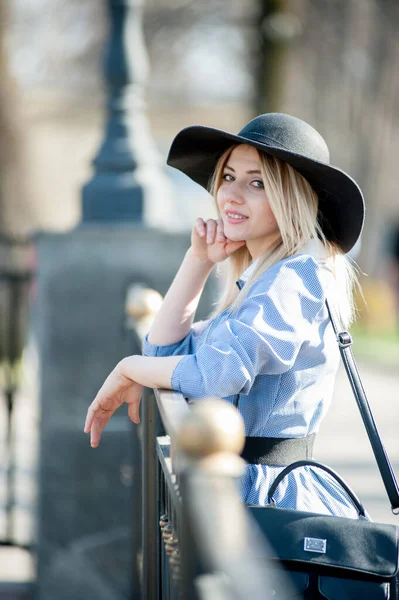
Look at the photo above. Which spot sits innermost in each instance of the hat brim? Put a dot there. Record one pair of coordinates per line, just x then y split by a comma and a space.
196, 150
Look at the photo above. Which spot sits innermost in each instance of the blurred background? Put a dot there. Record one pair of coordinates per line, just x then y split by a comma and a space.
169, 64
334, 64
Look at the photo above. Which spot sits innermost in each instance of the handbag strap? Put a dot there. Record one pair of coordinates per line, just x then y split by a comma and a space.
312, 463
344, 340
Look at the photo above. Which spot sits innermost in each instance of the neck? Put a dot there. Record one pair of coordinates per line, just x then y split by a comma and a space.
258, 247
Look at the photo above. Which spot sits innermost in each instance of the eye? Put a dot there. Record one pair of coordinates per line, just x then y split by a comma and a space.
228, 177
258, 183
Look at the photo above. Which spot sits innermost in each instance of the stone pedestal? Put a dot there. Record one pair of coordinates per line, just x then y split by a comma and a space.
89, 517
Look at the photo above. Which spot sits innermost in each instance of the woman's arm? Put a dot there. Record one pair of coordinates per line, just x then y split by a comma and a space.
125, 384
149, 371
173, 322
175, 317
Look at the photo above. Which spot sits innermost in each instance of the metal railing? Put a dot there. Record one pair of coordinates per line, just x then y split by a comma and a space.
199, 541
162, 506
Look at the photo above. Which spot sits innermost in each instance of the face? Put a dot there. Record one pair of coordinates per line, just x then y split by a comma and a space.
243, 203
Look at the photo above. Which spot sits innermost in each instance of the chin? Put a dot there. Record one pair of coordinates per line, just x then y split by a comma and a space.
234, 236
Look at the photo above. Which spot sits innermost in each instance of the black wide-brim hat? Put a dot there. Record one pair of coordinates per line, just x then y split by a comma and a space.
196, 150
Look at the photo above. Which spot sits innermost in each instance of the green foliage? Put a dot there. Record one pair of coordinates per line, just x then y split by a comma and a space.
378, 348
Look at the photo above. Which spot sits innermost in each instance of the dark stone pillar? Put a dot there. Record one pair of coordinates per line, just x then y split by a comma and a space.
89, 500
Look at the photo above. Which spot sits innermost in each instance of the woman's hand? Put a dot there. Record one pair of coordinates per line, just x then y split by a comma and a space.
208, 242
116, 390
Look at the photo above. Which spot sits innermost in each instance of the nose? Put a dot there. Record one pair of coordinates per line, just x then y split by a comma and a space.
234, 194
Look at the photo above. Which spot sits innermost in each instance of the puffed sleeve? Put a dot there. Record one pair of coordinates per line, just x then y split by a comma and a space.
185, 346
263, 337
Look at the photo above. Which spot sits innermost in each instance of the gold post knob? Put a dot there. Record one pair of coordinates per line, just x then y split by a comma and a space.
214, 434
141, 306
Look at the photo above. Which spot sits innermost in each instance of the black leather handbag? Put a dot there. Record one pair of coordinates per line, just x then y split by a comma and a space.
332, 557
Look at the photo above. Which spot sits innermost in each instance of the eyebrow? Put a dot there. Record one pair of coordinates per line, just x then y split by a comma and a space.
251, 172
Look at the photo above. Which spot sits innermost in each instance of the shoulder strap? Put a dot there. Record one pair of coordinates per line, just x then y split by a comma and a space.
344, 340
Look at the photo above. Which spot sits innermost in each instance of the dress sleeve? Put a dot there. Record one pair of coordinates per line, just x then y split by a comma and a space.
263, 337
185, 346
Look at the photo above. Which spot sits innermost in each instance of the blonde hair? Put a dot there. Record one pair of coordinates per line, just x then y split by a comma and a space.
295, 206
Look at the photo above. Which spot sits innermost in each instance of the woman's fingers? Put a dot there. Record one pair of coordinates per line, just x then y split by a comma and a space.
133, 398
105, 402
200, 227
91, 413
89, 421
95, 426
210, 231
97, 410
220, 231
103, 407
95, 433
134, 412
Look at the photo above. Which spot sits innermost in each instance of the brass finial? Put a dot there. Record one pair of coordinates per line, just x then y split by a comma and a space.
214, 433
142, 302
141, 306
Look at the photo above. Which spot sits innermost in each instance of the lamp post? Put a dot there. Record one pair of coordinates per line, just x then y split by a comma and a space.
128, 183
87, 499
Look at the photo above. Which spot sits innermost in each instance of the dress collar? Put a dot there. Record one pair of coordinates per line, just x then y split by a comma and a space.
249, 270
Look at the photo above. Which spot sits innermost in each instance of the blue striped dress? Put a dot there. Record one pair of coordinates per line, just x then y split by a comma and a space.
276, 358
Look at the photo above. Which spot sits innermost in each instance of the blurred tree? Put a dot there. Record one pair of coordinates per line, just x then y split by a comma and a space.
334, 64
56, 46
278, 27
342, 75
211, 50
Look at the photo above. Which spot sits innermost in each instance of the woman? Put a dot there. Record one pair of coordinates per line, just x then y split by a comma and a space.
286, 218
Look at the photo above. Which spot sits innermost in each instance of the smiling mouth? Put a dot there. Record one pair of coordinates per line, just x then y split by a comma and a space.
235, 216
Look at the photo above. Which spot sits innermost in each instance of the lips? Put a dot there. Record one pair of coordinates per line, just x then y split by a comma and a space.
234, 217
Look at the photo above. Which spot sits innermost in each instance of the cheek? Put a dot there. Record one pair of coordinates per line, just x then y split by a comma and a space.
268, 218
271, 217
220, 199
269, 213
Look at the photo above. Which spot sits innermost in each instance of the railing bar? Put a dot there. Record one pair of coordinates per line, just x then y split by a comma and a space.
171, 500
165, 464
165, 573
171, 582
173, 408
177, 530
166, 563
188, 551
162, 511
151, 427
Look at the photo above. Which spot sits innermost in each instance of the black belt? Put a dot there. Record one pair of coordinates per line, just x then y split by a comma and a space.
278, 452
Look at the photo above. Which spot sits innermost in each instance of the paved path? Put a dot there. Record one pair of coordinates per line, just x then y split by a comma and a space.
342, 443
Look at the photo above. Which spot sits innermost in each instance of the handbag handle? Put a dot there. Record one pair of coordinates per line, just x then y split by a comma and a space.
344, 340
313, 463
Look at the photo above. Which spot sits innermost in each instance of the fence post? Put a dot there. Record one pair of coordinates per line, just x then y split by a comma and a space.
151, 428
141, 306
223, 550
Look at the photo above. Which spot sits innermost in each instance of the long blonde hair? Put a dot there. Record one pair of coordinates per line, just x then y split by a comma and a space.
295, 206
